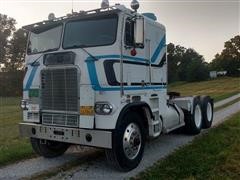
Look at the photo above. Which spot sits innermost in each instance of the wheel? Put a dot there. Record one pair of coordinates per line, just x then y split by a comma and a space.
128, 143
207, 111
50, 149
193, 122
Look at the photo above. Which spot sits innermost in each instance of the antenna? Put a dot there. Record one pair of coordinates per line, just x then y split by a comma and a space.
72, 6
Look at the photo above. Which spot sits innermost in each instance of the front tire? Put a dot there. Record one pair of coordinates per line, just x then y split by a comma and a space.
128, 143
49, 149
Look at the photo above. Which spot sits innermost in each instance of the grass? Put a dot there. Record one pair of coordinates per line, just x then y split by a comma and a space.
219, 88
214, 155
12, 147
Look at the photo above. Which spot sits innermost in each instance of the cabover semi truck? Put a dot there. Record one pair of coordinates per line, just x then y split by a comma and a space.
99, 78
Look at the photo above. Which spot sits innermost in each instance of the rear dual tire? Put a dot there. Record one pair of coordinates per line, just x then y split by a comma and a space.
201, 116
193, 121
207, 111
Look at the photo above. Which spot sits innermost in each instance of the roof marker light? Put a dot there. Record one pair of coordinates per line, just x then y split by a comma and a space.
51, 16
105, 4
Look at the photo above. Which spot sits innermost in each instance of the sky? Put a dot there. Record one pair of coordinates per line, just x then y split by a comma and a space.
200, 24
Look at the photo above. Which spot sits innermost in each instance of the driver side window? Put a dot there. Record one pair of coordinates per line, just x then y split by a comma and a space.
129, 33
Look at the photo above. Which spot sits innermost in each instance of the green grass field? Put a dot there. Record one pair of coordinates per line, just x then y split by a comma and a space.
14, 148
214, 155
218, 89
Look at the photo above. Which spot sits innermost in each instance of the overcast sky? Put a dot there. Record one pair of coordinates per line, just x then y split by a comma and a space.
200, 24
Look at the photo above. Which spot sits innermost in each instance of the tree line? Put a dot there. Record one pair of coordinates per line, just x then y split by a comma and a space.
184, 64
229, 58
188, 65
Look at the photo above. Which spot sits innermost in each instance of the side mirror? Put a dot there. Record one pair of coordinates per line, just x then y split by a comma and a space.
139, 32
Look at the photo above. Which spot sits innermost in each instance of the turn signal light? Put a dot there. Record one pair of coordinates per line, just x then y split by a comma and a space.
87, 110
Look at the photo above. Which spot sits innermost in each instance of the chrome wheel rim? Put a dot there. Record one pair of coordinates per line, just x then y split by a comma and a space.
198, 116
209, 112
132, 141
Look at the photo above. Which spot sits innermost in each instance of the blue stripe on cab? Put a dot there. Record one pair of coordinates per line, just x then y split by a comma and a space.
93, 72
161, 45
99, 88
30, 79
116, 57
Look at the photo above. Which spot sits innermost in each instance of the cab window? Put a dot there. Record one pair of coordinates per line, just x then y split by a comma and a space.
129, 32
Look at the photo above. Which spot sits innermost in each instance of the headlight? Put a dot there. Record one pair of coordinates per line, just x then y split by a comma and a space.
103, 108
107, 108
24, 104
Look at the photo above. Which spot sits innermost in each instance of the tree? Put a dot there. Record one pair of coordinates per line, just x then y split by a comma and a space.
185, 64
175, 55
229, 59
15, 58
192, 67
197, 71
172, 63
7, 26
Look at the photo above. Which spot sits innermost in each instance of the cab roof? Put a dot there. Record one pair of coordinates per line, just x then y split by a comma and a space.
48, 24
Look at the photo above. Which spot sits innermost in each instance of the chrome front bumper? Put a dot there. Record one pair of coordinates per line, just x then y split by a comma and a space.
96, 138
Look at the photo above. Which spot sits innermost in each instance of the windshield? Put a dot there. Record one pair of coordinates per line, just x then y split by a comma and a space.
44, 41
90, 32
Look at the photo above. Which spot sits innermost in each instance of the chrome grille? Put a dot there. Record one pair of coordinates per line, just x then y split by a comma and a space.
59, 89
70, 120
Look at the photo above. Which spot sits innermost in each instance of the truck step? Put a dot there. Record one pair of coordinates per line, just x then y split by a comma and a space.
153, 97
156, 129
155, 110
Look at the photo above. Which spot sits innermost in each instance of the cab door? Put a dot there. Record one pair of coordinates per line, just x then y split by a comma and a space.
135, 59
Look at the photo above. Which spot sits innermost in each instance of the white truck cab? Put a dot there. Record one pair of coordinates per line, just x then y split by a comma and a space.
99, 78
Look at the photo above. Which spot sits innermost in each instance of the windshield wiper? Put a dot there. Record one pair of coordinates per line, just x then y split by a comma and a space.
50, 49
34, 63
81, 46
75, 46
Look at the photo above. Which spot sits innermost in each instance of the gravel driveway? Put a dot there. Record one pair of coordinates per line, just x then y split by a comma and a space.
98, 168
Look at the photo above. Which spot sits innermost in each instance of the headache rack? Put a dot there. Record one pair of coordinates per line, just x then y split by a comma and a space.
75, 15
